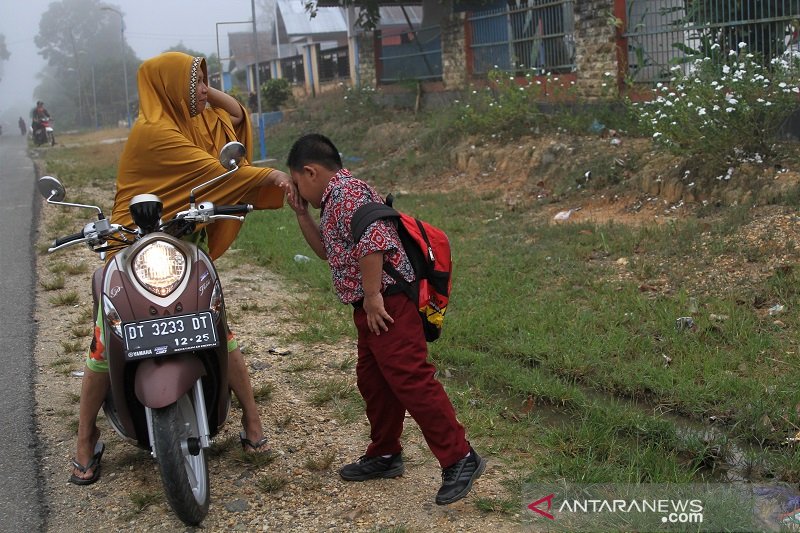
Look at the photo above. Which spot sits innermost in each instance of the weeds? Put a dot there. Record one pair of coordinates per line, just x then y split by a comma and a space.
53, 283
65, 299
320, 463
143, 500
270, 484
331, 390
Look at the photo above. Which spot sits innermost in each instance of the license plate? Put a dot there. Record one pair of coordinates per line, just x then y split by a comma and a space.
163, 336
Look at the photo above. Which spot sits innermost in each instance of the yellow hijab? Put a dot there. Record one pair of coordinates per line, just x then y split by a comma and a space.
173, 147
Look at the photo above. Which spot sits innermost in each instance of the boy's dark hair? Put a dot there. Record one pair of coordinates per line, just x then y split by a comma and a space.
313, 148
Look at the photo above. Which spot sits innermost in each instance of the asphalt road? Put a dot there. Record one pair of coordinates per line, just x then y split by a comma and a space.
21, 505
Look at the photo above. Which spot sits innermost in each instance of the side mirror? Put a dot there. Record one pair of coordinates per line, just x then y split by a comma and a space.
231, 154
51, 189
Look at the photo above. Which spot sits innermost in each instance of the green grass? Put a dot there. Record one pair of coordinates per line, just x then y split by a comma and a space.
539, 311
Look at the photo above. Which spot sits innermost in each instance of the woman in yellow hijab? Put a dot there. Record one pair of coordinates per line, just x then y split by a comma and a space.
173, 147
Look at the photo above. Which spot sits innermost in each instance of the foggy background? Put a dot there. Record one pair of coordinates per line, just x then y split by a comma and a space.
151, 27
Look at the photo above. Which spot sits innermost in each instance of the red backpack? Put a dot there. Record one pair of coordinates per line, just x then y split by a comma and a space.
428, 250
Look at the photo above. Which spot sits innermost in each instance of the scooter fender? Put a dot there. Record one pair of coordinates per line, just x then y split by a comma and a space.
161, 381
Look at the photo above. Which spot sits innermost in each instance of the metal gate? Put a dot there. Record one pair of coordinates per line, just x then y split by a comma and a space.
661, 34
523, 36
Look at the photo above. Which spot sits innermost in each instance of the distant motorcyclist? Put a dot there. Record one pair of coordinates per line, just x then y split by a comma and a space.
39, 114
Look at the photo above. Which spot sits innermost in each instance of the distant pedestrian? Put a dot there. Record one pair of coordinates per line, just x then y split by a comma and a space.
252, 102
22, 128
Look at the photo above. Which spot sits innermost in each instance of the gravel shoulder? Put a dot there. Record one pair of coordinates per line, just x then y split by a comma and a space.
300, 490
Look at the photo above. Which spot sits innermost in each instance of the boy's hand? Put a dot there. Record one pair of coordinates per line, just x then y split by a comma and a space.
377, 317
298, 204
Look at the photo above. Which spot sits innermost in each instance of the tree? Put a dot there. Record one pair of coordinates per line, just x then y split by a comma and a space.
4, 55
212, 61
82, 45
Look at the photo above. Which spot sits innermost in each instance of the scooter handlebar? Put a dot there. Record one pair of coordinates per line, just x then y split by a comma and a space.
239, 209
66, 239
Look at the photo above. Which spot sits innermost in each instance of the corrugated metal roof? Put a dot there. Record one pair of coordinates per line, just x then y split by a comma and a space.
297, 21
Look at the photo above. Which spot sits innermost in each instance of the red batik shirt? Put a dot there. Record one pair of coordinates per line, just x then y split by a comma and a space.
343, 196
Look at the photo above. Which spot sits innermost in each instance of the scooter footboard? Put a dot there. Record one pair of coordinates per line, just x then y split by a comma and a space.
161, 381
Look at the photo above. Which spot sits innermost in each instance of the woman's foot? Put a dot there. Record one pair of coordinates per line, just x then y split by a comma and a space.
86, 463
252, 438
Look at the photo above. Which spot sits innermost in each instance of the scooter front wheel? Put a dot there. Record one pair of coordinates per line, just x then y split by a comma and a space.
183, 465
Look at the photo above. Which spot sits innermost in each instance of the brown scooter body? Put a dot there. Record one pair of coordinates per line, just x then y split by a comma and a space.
158, 381
164, 332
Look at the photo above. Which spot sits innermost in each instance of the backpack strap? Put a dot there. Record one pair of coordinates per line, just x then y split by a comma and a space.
366, 215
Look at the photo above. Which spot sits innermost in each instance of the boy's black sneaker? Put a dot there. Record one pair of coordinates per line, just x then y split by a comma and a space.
457, 479
373, 467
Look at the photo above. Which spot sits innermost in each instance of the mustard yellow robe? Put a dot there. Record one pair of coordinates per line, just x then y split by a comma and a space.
173, 147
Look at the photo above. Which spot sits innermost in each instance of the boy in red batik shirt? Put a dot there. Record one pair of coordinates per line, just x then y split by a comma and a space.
393, 373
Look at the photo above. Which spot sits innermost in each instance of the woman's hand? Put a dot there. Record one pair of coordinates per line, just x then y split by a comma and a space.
282, 180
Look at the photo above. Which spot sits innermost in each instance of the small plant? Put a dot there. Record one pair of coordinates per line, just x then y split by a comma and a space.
323, 462
263, 392
302, 365
67, 298
53, 284
71, 346
143, 500
330, 390
271, 484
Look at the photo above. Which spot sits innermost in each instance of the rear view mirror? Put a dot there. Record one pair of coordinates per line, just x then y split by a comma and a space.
231, 154
51, 189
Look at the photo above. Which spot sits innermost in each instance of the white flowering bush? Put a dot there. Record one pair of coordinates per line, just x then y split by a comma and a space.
727, 107
506, 105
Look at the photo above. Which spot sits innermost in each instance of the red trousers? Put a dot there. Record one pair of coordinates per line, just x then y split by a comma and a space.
394, 376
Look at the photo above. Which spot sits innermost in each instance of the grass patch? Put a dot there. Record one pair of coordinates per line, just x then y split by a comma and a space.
264, 392
65, 299
320, 462
53, 284
302, 365
331, 390
142, 500
270, 484
71, 346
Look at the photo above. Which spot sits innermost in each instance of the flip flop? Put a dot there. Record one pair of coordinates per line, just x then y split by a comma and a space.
255, 446
94, 466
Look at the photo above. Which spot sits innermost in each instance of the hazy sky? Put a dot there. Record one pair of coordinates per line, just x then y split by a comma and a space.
151, 26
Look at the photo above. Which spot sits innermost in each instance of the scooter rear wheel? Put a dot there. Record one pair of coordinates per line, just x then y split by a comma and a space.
184, 475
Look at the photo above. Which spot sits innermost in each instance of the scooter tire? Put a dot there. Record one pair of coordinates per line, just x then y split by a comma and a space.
183, 475
52, 139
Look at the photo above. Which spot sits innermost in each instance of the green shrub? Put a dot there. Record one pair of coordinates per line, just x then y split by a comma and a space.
724, 107
276, 92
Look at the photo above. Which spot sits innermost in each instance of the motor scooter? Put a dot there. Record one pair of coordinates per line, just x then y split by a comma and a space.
43, 133
165, 333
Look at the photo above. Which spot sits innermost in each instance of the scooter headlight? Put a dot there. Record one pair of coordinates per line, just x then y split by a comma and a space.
159, 267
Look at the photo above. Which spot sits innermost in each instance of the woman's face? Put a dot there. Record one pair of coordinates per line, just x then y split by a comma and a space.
202, 91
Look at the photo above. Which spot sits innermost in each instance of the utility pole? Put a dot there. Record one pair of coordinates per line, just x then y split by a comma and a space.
258, 84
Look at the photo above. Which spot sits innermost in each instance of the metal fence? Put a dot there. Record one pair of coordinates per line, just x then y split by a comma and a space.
414, 54
292, 69
523, 35
334, 64
664, 33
